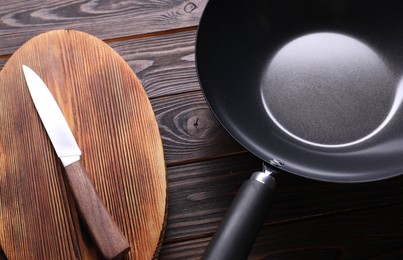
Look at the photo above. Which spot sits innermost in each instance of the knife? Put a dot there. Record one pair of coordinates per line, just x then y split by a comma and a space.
93, 213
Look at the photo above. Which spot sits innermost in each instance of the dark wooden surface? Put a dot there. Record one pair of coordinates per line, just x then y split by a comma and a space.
205, 166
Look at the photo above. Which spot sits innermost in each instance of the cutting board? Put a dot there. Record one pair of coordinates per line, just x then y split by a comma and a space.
112, 119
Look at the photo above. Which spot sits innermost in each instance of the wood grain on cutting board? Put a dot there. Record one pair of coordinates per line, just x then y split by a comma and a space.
115, 127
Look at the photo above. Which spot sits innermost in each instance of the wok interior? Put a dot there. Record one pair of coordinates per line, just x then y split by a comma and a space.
305, 92
315, 85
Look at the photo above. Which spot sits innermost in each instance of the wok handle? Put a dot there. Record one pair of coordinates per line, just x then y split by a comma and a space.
238, 231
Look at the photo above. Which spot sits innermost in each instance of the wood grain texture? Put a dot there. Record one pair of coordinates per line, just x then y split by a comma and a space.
165, 64
115, 127
21, 20
190, 131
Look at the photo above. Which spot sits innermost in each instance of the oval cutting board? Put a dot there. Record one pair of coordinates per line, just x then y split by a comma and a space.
113, 122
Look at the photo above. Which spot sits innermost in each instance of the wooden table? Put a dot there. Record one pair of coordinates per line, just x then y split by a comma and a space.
205, 166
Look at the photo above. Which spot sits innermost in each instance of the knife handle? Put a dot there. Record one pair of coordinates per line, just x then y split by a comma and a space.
99, 223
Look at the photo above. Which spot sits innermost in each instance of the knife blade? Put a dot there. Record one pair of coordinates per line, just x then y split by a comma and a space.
93, 213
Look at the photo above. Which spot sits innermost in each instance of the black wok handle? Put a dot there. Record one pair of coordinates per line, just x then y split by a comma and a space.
244, 219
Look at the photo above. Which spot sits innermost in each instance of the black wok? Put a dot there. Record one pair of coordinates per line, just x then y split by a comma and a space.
311, 87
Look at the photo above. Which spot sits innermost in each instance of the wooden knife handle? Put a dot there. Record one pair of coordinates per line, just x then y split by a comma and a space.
99, 223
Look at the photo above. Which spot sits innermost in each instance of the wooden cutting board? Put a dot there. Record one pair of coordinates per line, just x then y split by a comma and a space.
112, 119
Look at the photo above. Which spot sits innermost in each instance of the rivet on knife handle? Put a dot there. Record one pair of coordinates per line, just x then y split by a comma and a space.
103, 230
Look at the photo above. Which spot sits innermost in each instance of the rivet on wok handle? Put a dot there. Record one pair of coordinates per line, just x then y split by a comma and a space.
244, 219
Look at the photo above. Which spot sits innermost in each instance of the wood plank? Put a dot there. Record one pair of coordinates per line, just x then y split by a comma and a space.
165, 64
189, 130
370, 233
200, 193
191, 249
21, 20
